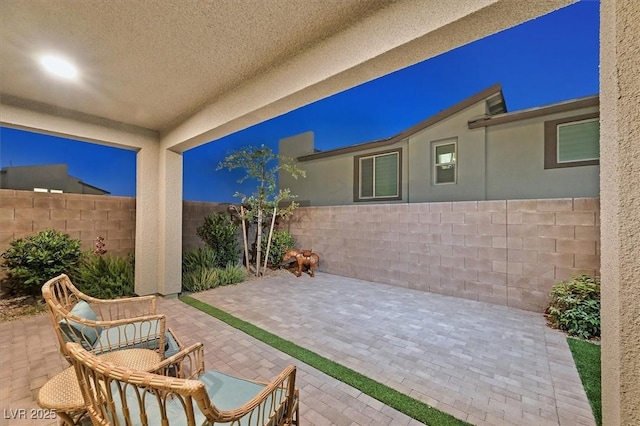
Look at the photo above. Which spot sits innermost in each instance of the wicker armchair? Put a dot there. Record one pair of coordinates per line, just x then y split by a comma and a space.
102, 326
116, 395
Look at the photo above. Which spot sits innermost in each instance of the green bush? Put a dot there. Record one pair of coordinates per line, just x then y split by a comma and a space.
199, 279
106, 277
232, 274
221, 234
281, 241
203, 257
33, 260
199, 271
575, 306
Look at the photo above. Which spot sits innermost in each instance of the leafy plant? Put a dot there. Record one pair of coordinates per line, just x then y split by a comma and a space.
199, 271
200, 279
262, 166
33, 260
231, 274
575, 306
106, 277
203, 257
281, 241
221, 235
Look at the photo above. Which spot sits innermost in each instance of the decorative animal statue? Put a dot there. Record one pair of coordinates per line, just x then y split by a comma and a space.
302, 258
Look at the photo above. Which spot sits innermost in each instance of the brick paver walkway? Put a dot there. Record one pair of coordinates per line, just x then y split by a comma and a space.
483, 363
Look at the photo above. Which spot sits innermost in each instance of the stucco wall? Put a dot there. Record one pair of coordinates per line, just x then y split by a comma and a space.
497, 162
515, 163
470, 165
620, 192
502, 252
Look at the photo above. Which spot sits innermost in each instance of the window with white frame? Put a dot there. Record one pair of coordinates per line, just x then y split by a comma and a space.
572, 141
378, 176
445, 158
578, 141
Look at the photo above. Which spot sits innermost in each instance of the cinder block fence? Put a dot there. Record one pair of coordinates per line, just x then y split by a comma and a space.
503, 252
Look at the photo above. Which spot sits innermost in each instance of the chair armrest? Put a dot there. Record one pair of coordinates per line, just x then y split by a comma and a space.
285, 382
186, 364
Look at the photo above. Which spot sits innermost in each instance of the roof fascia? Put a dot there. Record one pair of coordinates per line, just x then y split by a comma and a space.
445, 113
589, 101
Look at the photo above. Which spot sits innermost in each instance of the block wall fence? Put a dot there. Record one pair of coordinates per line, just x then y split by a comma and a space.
502, 252
86, 217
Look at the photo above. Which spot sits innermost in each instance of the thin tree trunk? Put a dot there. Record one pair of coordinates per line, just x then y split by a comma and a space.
244, 239
266, 256
259, 242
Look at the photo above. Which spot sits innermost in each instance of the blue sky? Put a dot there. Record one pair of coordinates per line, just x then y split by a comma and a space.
550, 59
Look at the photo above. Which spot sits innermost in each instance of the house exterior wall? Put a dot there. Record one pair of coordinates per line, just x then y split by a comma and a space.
502, 252
496, 162
329, 181
470, 160
620, 192
515, 163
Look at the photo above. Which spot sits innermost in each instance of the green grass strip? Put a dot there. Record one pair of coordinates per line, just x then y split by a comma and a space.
383, 393
587, 358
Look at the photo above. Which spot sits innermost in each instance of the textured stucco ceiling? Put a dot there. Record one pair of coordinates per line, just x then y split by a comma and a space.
154, 63
194, 71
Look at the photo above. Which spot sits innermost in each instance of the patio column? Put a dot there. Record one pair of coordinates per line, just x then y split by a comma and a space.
620, 209
170, 229
147, 220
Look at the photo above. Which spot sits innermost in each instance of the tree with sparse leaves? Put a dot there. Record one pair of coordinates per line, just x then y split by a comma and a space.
262, 166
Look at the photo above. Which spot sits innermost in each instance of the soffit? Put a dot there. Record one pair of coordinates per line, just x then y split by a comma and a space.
152, 64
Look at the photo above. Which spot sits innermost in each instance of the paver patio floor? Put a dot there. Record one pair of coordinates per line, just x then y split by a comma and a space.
483, 363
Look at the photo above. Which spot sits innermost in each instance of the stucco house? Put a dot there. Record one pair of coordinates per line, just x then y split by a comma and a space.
46, 178
473, 150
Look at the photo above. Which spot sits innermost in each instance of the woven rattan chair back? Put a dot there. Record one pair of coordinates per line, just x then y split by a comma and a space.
115, 324
119, 396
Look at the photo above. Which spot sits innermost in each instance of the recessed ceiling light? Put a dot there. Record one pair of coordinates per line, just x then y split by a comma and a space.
59, 66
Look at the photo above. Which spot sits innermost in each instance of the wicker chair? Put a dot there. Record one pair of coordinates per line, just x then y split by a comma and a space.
116, 395
102, 326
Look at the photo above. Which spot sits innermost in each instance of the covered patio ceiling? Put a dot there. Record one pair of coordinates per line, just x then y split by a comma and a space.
191, 73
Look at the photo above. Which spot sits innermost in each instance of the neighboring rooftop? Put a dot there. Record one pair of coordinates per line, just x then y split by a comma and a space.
45, 178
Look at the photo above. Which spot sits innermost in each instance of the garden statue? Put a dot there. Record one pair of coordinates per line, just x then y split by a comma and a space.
302, 258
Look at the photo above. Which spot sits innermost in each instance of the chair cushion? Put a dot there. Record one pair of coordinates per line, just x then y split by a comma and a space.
139, 334
226, 393
77, 332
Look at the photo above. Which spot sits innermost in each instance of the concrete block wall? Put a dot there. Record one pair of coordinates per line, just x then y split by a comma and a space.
85, 217
24, 213
502, 252
193, 214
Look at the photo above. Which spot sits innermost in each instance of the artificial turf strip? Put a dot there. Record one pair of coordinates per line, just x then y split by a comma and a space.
383, 393
587, 358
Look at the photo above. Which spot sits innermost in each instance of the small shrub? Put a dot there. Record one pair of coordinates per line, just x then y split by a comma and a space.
221, 234
199, 272
203, 257
281, 241
33, 260
106, 277
575, 307
200, 279
231, 274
